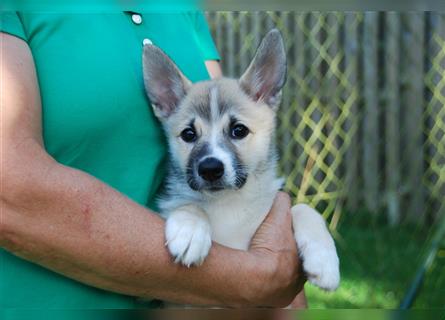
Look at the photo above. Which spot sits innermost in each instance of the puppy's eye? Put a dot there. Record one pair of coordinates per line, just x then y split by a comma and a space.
188, 135
239, 131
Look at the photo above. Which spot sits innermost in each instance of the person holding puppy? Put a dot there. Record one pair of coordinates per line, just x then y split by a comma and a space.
83, 159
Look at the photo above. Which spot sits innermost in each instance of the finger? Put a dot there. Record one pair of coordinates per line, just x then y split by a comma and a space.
276, 227
279, 213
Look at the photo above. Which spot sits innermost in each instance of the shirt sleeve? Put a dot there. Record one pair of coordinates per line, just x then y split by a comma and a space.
11, 23
204, 37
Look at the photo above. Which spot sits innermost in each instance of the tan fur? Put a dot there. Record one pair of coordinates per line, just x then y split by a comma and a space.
257, 116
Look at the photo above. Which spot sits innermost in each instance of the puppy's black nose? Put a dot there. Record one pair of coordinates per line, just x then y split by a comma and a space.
211, 169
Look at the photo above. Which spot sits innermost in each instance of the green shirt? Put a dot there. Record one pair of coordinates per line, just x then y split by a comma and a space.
96, 118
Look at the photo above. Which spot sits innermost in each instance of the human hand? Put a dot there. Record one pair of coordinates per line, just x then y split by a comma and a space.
278, 275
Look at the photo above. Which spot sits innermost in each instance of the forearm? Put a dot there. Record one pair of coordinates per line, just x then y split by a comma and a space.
72, 223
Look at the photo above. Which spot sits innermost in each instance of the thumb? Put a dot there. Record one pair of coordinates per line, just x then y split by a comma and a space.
276, 224
279, 213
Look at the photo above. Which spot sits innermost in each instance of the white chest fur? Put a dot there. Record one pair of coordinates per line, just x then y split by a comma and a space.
233, 215
236, 214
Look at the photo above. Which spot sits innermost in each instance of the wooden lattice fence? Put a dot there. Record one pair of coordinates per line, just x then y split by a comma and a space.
362, 124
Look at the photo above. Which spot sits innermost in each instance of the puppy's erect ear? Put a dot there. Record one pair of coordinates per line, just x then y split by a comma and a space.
164, 83
266, 74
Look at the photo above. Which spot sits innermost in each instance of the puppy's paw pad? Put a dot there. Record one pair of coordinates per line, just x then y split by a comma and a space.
322, 268
188, 238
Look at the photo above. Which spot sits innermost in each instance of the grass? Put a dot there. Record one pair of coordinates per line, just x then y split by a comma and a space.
378, 262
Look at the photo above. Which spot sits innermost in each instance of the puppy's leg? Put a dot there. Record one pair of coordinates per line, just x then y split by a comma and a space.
316, 247
188, 235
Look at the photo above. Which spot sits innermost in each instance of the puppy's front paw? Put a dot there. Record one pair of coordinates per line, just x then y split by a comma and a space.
321, 265
188, 236
316, 247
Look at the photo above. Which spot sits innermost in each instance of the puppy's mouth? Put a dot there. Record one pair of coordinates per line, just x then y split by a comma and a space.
198, 184
214, 189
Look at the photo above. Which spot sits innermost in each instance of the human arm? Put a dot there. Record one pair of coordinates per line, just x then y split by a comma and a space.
70, 222
206, 44
213, 68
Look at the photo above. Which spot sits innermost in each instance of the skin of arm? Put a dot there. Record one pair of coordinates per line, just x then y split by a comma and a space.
213, 68
73, 224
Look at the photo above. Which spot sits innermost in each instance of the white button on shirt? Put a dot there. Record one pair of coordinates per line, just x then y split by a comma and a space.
137, 19
146, 41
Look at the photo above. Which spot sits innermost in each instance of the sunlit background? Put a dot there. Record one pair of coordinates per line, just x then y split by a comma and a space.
362, 138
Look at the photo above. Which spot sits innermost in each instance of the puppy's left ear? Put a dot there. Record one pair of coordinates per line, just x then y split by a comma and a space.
164, 83
266, 74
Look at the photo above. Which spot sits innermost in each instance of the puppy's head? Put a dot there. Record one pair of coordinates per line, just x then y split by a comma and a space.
220, 131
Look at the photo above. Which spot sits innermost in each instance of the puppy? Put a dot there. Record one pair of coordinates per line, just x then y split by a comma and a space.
222, 174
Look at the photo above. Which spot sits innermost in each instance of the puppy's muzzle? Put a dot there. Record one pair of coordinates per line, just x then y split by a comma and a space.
211, 169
